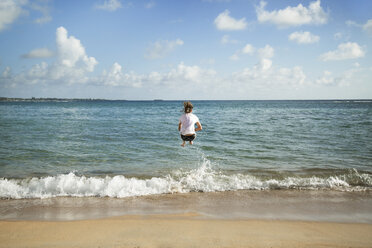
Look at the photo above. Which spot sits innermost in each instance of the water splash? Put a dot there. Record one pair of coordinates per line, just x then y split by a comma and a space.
205, 178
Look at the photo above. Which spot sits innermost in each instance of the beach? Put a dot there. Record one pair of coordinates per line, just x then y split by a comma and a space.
185, 124
220, 219
260, 174
182, 231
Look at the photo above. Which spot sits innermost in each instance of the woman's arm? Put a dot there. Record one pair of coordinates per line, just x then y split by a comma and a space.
199, 128
179, 126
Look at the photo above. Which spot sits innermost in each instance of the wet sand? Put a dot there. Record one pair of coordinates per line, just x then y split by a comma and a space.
226, 219
308, 205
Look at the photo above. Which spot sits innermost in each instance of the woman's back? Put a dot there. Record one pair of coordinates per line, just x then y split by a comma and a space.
188, 121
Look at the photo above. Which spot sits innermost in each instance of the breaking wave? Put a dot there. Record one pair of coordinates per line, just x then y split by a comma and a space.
202, 179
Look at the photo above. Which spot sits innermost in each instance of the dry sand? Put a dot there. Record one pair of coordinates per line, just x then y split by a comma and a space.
182, 230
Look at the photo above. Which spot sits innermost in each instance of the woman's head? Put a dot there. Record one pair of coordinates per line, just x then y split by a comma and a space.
187, 107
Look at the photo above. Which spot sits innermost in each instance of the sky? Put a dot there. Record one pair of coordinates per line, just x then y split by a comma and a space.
186, 49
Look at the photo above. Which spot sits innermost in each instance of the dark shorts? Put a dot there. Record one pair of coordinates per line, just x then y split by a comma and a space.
188, 138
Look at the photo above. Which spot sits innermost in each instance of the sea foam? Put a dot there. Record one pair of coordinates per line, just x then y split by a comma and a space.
202, 179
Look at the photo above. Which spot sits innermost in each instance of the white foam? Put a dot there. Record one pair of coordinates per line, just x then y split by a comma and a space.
202, 179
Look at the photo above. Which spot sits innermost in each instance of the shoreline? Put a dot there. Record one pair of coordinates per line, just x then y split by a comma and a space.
182, 230
257, 219
284, 205
51, 99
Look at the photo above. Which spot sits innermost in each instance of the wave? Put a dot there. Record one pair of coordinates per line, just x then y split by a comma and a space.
202, 179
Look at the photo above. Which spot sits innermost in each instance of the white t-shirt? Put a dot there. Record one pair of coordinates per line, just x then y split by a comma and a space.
188, 122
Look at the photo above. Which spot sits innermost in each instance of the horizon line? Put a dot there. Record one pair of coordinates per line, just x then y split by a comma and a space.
172, 100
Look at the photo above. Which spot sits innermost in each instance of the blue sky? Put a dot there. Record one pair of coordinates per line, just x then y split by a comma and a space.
194, 49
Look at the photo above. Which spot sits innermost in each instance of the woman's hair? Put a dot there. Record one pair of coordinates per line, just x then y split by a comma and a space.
187, 107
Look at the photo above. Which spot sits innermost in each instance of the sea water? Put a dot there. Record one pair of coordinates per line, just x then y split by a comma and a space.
132, 148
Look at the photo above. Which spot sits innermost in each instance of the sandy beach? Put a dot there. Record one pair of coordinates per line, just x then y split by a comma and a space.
182, 230
221, 219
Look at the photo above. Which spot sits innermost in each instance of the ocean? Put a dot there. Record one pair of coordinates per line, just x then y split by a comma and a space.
119, 149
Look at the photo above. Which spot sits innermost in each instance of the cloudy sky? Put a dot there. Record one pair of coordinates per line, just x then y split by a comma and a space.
186, 49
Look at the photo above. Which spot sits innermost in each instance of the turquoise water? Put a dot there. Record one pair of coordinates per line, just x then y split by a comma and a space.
53, 148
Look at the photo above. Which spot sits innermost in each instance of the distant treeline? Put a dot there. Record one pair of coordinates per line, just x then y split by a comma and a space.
49, 99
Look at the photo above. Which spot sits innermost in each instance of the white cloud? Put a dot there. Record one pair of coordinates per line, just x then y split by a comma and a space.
109, 5
326, 79
180, 77
343, 79
248, 49
10, 10
39, 53
71, 65
150, 5
42, 6
225, 22
293, 16
260, 80
303, 37
265, 64
342, 36
38, 73
185, 73
368, 26
235, 56
6, 79
263, 74
227, 40
7, 73
44, 19
350, 23
266, 52
349, 50
160, 49
291, 76
116, 77
71, 53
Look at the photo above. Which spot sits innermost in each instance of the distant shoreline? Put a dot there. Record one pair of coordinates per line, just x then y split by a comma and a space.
51, 99
55, 99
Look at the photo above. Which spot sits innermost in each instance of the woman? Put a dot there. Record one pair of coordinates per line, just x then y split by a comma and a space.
187, 124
